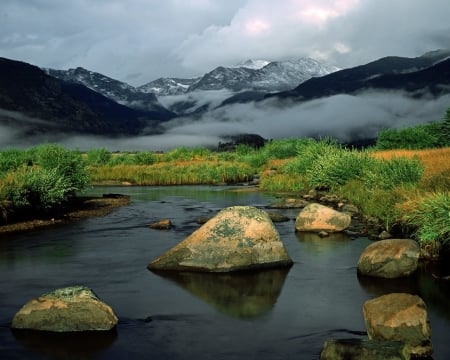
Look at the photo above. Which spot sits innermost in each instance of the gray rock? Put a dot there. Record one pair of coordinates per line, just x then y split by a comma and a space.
391, 258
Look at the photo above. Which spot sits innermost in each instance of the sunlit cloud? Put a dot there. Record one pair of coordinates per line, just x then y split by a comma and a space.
256, 26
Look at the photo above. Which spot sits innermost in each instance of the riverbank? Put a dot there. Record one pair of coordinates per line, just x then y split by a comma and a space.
76, 209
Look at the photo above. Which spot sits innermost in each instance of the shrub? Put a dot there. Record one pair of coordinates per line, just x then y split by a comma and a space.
416, 137
388, 174
12, 159
283, 149
337, 166
38, 188
432, 219
98, 156
308, 151
66, 163
145, 158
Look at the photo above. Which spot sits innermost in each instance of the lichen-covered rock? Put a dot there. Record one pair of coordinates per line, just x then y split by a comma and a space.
237, 238
69, 309
399, 317
391, 258
362, 349
316, 218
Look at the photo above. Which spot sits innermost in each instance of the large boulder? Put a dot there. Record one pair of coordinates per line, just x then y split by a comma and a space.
391, 258
316, 218
237, 238
399, 317
363, 349
69, 309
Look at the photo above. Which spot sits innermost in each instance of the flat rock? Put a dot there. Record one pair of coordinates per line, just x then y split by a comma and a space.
237, 238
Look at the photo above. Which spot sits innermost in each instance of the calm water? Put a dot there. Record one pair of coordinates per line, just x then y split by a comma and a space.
278, 314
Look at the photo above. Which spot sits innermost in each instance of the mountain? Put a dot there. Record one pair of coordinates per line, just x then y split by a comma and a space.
428, 72
35, 102
255, 75
252, 64
118, 91
168, 86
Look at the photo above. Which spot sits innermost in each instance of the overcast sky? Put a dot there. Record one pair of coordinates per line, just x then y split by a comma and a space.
140, 40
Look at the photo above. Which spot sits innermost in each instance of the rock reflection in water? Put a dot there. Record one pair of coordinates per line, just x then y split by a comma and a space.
243, 295
314, 244
74, 345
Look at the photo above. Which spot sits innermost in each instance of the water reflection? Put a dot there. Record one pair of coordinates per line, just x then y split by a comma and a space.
83, 345
239, 295
315, 245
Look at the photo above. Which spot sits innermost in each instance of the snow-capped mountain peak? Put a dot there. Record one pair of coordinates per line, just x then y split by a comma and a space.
252, 64
116, 90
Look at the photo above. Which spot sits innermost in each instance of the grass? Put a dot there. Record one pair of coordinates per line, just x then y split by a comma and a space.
409, 186
194, 172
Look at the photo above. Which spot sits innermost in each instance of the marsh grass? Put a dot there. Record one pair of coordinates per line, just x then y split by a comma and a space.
430, 215
175, 173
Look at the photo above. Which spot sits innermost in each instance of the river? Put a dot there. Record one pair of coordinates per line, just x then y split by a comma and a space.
276, 314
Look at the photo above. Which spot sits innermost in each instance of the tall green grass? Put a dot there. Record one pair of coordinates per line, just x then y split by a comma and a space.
431, 218
42, 177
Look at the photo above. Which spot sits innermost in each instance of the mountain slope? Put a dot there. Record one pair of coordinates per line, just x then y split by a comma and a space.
396, 73
275, 76
118, 91
168, 86
250, 75
32, 100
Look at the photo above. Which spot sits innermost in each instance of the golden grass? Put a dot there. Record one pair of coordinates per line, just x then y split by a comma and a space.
436, 161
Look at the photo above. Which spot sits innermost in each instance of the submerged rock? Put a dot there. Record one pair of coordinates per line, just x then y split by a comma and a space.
316, 218
362, 349
69, 309
237, 238
391, 258
399, 317
289, 203
164, 224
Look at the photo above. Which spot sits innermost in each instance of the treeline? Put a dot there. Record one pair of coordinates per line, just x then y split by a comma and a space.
435, 134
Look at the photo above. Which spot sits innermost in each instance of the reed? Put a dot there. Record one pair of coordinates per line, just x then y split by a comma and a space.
175, 173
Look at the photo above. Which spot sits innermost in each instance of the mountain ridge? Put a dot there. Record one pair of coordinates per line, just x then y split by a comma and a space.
48, 104
250, 75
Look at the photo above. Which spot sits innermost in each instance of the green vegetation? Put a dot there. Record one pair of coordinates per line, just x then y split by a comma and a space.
381, 183
41, 178
431, 218
435, 134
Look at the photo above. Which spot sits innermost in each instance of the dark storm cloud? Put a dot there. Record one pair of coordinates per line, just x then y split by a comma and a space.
141, 40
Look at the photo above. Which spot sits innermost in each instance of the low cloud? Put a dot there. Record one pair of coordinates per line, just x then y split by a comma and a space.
345, 117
